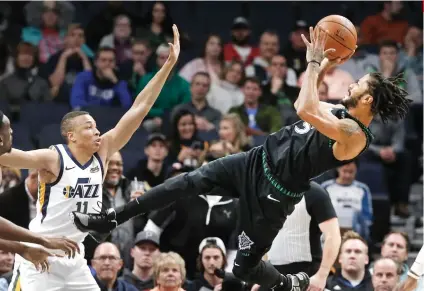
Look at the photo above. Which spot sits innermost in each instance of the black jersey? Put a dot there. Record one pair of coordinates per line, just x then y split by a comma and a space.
298, 153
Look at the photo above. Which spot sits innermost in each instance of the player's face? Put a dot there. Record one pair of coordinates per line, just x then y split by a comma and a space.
169, 276
227, 131
144, 254
5, 136
347, 174
212, 259
395, 248
85, 133
186, 127
358, 93
114, 169
353, 256
384, 276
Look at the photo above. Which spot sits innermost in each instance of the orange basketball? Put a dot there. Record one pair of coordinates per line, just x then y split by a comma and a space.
342, 35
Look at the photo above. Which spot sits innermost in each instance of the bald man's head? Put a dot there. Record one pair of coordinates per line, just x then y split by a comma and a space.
385, 274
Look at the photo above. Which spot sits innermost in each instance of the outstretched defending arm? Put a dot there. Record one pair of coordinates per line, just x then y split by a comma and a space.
116, 138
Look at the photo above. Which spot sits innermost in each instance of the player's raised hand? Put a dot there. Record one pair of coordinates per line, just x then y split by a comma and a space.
39, 257
315, 49
174, 51
68, 246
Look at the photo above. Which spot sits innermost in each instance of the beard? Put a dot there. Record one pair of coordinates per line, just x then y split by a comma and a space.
240, 42
349, 102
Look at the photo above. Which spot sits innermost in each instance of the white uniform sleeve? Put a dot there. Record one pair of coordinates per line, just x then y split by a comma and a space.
418, 266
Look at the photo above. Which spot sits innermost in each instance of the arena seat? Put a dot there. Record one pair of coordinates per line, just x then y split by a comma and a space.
49, 135
371, 173
22, 137
131, 158
106, 117
35, 115
138, 141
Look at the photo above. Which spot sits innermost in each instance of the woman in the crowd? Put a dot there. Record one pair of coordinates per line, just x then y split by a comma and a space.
226, 93
185, 145
157, 27
211, 61
233, 130
169, 272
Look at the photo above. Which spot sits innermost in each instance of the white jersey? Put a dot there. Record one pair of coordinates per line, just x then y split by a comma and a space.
77, 188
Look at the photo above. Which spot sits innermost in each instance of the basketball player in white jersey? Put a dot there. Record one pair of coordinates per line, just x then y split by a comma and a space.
71, 177
11, 234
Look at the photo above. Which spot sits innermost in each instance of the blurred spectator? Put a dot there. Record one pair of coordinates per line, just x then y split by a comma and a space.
120, 39
232, 130
260, 119
10, 178
276, 91
152, 170
269, 46
107, 263
103, 21
412, 54
47, 22
18, 203
323, 92
295, 51
175, 91
385, 25
212, 258
211, 61
100, 86
338, 82
62, 67
352, 199
169, 272
226, 93
134, 69
390, 65
353, 258
239, 48
396, 246
186, 222
297, 246
7, 65
24, 84
157, 27
207, 118
185, 145
7, 260
386, 275
144, 252
388, 148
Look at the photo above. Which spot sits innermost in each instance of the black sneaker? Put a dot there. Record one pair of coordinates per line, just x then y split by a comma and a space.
300, 281
103, 222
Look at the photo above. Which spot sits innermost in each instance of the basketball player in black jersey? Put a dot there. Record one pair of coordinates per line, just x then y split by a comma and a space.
271, 179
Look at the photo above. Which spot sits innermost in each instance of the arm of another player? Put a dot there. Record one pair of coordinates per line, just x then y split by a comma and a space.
46, 159
12, 232
414, 274
308, 106
116, 138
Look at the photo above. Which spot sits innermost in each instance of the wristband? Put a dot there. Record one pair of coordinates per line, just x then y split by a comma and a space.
316, 62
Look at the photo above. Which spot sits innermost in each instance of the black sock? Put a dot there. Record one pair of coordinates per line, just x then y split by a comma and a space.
156, 198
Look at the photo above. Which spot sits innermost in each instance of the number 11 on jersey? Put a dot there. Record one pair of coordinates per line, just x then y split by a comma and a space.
82, 206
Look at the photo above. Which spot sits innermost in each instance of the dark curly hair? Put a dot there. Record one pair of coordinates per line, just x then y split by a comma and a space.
390, 99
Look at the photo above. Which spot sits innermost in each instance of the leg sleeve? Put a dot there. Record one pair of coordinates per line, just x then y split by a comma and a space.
220, 177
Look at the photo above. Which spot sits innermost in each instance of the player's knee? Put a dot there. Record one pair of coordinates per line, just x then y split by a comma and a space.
177, 183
